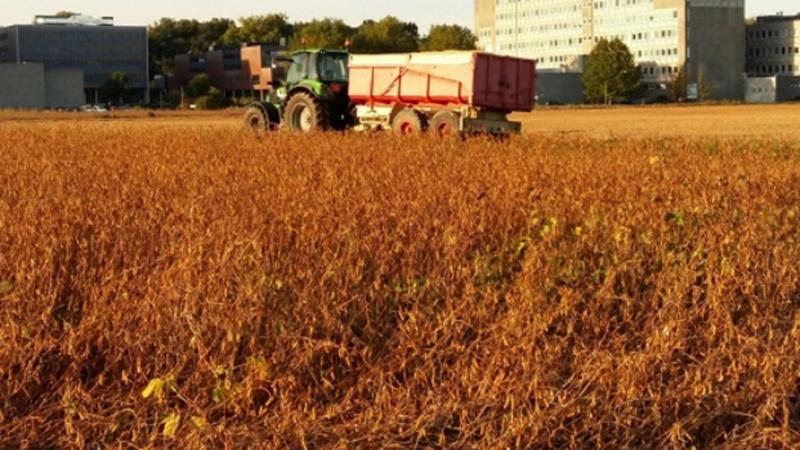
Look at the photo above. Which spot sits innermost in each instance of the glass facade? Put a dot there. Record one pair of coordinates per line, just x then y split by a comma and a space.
773, 46
98, 50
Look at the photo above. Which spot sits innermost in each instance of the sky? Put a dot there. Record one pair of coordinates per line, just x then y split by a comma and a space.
423, 12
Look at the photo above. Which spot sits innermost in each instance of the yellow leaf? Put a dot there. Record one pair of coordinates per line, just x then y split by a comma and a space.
199, 422
5, 287
171, 424
155, 386
258, 367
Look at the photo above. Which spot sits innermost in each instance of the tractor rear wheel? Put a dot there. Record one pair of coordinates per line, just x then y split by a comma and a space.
305, 114
409, 122
445, 124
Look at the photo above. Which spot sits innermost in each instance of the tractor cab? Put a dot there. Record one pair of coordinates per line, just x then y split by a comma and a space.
324, 66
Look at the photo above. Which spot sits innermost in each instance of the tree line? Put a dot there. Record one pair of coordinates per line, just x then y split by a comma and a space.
170, 37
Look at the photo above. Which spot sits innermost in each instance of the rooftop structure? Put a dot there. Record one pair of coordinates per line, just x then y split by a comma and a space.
76, 20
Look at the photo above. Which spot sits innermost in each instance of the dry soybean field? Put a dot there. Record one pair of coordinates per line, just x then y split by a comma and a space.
625, 278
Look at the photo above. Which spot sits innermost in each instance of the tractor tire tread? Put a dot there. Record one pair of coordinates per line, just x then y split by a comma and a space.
318, 111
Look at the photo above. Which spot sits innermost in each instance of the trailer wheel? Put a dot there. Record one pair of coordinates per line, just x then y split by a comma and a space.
445, 124
305, 114
409, 122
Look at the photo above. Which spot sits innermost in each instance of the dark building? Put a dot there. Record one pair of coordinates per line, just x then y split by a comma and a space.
34, 86
773, 46
95, 46
773, 59
245, 71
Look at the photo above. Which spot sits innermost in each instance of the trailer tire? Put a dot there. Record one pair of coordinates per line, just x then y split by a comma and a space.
409, 122
305, 114
445, 124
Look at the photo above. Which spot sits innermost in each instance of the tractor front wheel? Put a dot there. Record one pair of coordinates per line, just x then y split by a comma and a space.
255, 119
304, 114
262, 117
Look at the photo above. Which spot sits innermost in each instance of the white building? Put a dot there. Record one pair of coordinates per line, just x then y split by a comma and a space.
664, 35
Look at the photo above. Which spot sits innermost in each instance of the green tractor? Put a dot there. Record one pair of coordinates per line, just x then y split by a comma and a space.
308, 95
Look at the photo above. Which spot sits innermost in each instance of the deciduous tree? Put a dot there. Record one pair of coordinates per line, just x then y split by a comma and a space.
704, 87
266, 29
448, 37
169, 37
325, 33
116, 89
611, 75
679, 85
385, 36
199, 86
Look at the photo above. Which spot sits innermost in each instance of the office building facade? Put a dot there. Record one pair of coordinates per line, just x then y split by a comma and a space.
245, 71
773, 46
701, 36
773, 59
96, 47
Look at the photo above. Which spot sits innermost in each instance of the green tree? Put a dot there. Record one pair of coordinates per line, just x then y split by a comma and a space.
266, 29
679, 85
703, 87
199, 86
611, 75
325, 33
169, 37
448, 37
116, 89
212, 33
214, 99
385, 36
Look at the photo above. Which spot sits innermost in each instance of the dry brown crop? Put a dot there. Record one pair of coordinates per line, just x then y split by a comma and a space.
193, 287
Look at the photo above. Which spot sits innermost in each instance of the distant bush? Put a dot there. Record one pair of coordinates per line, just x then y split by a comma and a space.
243, 101
214, 100
173, 99
199, 86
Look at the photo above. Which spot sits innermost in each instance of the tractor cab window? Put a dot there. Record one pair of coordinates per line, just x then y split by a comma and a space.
333, 67
299, 68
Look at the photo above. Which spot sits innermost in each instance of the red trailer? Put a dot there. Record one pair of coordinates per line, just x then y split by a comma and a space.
446, 92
